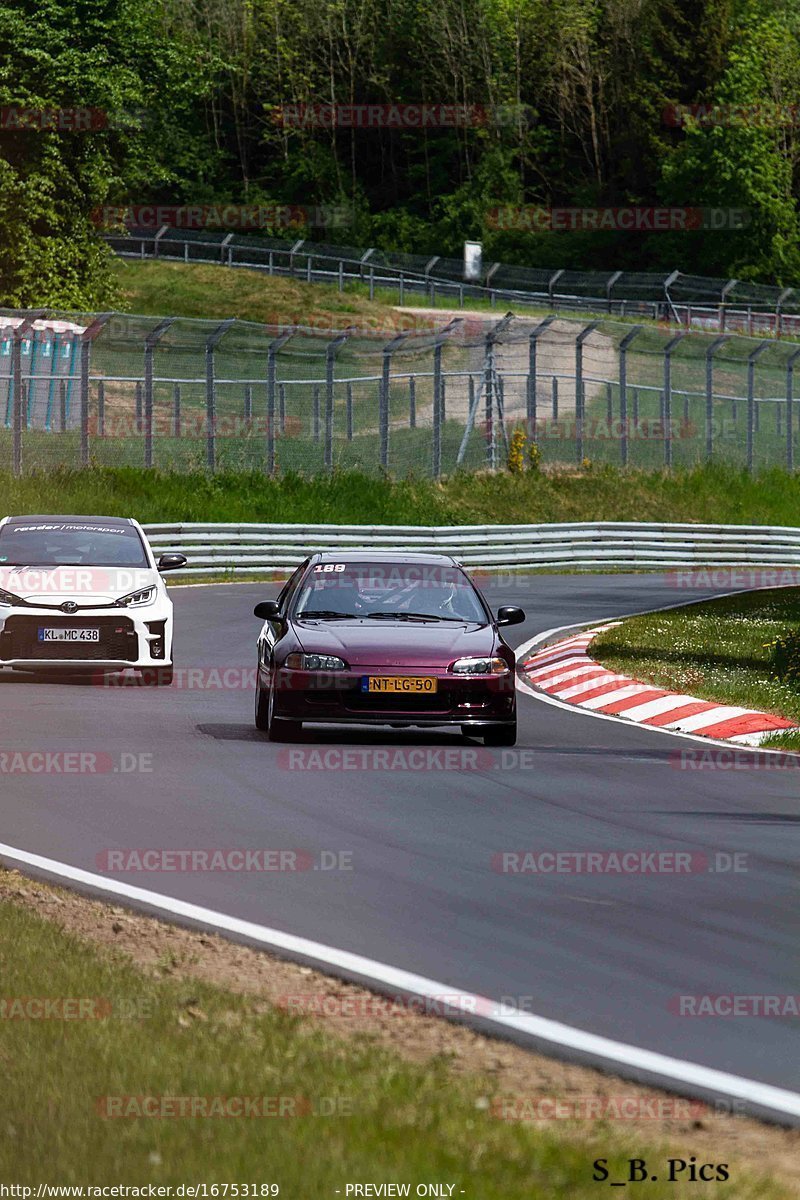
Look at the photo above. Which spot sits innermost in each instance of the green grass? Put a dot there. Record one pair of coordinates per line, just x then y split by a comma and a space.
716, 494
389, 1119
209, 291
716, 650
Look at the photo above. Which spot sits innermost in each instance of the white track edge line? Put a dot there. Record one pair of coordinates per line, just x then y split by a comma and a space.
676, 1071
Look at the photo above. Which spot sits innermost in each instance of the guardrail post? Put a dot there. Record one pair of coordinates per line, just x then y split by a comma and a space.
15, 383
667, 403
579, 395
623, 392
790, 409
272, 370
710, 352
388, 351
531, 394
751, 399
86, 339
211, 392
150, 343
331, 351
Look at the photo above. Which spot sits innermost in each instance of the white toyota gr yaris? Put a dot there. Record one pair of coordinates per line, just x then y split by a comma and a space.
84, 595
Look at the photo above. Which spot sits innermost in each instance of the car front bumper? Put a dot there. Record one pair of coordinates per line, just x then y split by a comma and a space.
129, 638
338, 698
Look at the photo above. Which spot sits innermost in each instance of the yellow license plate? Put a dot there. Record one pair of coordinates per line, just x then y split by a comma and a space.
399, 683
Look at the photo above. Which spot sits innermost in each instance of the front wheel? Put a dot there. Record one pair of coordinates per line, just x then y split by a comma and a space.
501, 735
277, 730
262, 709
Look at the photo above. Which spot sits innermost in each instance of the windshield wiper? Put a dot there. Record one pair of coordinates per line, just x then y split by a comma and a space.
405, 616
323, 614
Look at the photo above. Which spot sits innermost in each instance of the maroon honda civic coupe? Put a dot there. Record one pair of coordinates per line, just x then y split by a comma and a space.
385, 639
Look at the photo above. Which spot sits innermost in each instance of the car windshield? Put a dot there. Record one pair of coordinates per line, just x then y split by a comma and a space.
71, 544
405, 591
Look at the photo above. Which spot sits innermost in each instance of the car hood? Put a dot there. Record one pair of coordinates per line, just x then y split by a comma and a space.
366, 643
85, 586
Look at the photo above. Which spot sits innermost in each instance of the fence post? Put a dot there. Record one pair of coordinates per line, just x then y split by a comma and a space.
153, 337
412, 402
531, 396
62, 405
86, 338
138, 406
383, 421
272, 371
710, 351
751, 399
282, 407
15, 382
101, 409
623, 392
790, 409
555, 397
349, 411
609, 404
211, 392
437, 388
331, 351
248, 404
667, 407
315, 414
579, 393
176, 410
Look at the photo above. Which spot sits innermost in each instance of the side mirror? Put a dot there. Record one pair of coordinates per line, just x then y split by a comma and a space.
171, 562
509, 615
267, 610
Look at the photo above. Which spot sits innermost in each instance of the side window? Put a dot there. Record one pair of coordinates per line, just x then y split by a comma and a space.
291, 583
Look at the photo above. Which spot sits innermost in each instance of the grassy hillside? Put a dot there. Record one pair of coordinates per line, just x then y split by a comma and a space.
715, 494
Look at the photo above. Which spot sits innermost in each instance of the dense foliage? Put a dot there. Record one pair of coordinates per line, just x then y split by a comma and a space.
193, 87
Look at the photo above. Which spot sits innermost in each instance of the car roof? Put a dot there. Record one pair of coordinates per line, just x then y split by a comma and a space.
384, 556
116, 522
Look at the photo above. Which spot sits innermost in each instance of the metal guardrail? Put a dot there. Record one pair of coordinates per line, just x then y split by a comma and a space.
592, 545
692, 302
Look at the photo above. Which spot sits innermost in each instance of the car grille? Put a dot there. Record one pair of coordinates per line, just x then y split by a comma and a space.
421, 702
118, 640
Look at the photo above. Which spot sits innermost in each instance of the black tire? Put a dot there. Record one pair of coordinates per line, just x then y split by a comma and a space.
262, 709
501, 735
277, 730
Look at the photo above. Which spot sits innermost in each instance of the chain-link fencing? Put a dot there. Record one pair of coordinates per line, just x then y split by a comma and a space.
79, 390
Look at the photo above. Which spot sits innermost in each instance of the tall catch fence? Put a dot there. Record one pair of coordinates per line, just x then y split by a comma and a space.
111, 389
691, 301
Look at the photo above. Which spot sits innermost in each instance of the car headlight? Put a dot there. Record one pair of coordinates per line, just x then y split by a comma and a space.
137, 599
314, 662
480, 666
9, 600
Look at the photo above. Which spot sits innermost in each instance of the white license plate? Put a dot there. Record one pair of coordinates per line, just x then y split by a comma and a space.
69, 635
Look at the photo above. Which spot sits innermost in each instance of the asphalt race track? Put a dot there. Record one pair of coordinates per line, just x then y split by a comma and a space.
605, 953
